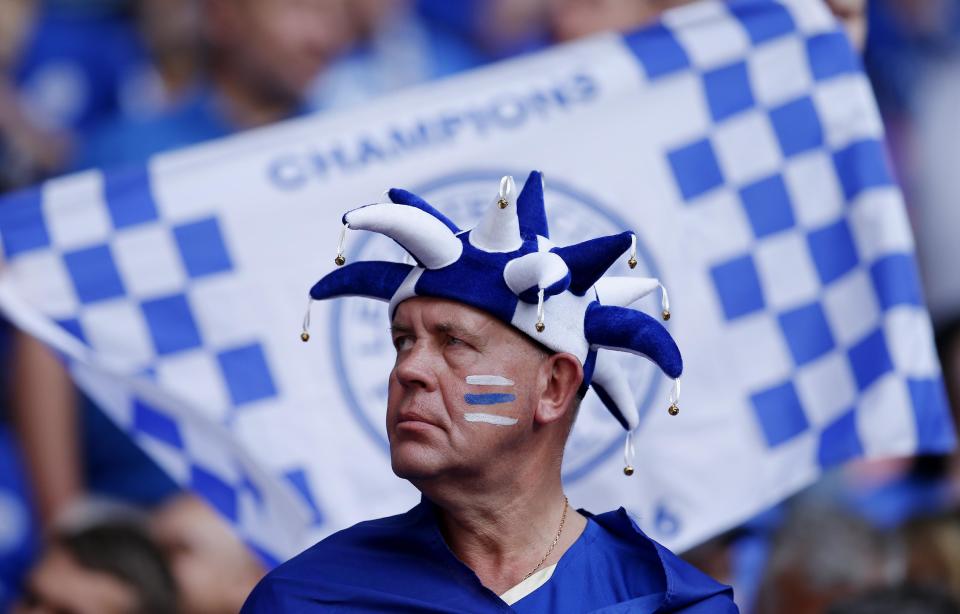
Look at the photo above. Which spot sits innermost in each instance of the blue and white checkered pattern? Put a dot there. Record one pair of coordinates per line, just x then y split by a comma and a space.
136, 286
738, 139
156, 294
789, 152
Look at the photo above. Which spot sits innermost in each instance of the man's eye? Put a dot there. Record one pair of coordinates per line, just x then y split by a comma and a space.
403, 342
455, 341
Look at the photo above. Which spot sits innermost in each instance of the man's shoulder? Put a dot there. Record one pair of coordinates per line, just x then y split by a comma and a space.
344, 560
685, 588
378, 537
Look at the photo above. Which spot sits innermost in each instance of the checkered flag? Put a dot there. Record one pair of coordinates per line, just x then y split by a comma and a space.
738, 139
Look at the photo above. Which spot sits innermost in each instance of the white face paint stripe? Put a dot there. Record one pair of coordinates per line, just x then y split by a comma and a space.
489, 380
490, 419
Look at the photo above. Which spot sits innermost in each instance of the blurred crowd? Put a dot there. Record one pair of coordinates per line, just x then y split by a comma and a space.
95, 83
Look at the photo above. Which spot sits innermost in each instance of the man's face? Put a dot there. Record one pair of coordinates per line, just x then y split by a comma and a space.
463, 390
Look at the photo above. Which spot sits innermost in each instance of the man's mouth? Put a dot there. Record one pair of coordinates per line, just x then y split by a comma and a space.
414, 419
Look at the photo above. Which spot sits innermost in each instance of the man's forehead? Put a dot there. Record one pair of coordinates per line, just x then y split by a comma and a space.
443, 313
447, 316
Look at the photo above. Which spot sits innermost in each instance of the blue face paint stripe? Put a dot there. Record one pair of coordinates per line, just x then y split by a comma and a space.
489, 399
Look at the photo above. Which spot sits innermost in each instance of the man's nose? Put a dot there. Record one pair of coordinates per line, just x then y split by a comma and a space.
414, 367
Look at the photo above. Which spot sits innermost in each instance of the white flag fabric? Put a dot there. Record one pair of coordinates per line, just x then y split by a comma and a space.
739, 140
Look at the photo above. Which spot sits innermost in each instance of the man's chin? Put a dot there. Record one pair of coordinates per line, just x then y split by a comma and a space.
416, 462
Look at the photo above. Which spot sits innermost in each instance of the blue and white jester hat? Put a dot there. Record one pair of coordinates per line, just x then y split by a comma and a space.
507, 266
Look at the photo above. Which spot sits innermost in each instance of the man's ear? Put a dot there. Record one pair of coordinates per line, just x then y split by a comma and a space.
563, 374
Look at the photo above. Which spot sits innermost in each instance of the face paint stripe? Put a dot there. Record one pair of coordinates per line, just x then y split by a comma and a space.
489, 380
491, 419
489, 399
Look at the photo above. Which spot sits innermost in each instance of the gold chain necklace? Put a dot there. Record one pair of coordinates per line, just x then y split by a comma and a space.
556, 540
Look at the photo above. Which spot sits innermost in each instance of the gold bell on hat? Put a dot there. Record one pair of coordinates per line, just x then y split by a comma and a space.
665, 314
673, 410
628, 454
540, 326
632, 263
304, 334
340, 260
502, 202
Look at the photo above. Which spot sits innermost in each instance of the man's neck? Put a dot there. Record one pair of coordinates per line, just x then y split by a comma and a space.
503, 533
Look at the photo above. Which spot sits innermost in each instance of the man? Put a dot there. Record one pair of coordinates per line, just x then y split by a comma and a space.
498, 334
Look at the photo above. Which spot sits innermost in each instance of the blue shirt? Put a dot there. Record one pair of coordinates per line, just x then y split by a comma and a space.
402, 563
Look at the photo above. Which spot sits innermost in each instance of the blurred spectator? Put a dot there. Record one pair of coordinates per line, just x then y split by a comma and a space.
913, 59
889, 492
900, 600
936, 217
214, 570
107, 568
67, 453
45, 422
261, 58
933, 552
27, 152
14, 17
714, 557
821, 554
192, 70
399, 43
853, 15
171, 33
65, 67
74, 61
571, 19
496, 29
18, 546
394, 47
904, 36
